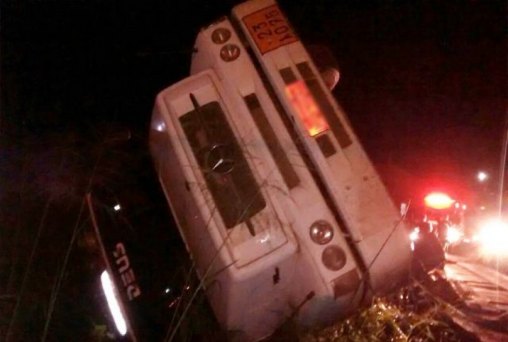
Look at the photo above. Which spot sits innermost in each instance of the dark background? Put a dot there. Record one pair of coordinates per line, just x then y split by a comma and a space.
423, 83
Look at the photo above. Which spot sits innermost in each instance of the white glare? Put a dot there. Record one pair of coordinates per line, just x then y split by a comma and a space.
264, 239
161, 127
117, 207
414, 234
493, 237
114, 307
482, 176
453, 234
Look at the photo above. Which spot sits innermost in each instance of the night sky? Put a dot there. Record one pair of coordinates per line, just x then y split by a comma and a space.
423, 83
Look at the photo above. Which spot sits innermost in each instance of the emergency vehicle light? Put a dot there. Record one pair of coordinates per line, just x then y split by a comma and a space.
438, 200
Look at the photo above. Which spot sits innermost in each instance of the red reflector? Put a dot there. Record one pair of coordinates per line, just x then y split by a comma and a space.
438, 200
308, 110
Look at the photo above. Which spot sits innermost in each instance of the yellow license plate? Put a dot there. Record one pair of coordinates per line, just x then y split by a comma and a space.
269, 29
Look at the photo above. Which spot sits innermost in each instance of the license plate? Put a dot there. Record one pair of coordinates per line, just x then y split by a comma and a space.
269, 29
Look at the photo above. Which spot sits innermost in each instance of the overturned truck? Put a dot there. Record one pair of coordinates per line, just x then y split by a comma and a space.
276, 200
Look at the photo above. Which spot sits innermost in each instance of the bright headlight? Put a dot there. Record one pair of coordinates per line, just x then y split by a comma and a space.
453, 234
114, 306
493, 237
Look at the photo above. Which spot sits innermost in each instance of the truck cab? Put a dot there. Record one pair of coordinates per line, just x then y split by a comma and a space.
278, 204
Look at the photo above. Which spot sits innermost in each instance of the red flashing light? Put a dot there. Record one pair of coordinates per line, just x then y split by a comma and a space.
438, 200
307, 108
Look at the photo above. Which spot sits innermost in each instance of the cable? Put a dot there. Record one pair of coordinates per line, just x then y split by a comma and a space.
28, 269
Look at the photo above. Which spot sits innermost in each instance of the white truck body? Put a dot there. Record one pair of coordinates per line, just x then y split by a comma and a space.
253, 152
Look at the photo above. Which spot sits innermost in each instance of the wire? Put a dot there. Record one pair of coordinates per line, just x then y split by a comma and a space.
58, 281
403, 216
28, 268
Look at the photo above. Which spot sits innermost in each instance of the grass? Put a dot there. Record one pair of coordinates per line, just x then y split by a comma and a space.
412, 313
389, 320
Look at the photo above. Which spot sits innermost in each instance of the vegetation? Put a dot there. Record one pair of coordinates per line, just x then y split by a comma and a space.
412, 314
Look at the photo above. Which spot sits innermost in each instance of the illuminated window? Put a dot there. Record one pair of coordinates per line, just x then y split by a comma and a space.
321, 99
307, 108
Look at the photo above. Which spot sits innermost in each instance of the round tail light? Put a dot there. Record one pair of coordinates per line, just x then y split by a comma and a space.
221, 35
333, 258
229, 52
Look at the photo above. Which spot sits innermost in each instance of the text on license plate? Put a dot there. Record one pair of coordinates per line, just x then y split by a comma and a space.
269, 29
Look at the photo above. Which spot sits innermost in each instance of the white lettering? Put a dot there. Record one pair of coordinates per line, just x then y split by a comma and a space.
126, 272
